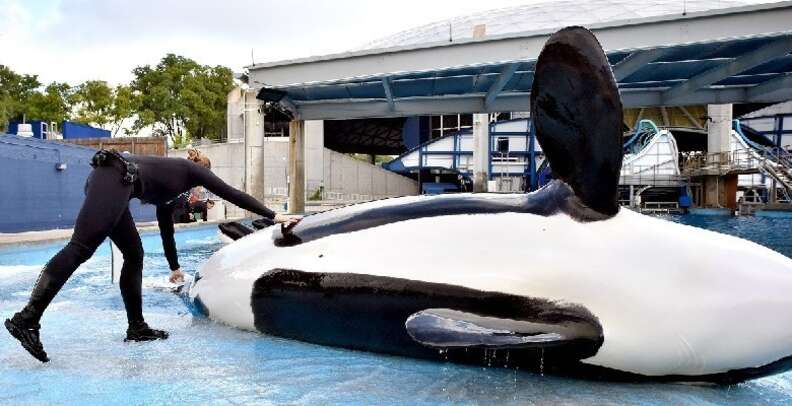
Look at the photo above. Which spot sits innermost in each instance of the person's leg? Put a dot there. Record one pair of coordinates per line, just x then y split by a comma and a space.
106, 199
126, 237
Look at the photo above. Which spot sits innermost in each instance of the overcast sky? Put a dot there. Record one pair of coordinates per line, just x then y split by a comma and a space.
77, 40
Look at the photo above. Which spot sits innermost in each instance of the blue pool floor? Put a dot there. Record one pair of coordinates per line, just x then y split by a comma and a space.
208, 363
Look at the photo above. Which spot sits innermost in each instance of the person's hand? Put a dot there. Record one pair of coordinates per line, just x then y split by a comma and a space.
176, 276
288, 221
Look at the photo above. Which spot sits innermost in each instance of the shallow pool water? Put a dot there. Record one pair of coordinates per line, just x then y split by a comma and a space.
207, 363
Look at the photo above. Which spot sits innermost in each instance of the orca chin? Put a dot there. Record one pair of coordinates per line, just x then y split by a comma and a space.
556, 281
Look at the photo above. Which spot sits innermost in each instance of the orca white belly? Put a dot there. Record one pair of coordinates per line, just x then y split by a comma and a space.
672, 299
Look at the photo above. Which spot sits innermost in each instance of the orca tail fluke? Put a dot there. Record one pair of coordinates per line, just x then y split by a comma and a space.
577, 114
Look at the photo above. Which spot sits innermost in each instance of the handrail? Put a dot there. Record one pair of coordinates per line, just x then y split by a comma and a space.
777, 155
638, 132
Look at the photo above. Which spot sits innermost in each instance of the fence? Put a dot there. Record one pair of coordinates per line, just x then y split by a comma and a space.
136, 145
741, 160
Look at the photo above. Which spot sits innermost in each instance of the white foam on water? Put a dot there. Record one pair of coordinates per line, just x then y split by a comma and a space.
212, 239
17, 271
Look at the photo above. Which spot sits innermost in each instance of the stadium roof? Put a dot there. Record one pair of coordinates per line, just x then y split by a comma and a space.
546, 16
732, 55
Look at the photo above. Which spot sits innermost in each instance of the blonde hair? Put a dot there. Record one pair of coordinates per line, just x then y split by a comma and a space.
199, 158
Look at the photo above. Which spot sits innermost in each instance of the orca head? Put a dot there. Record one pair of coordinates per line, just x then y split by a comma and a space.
577, 114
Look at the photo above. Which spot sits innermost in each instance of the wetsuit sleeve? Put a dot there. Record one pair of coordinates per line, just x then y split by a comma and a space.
165, 221
209, 180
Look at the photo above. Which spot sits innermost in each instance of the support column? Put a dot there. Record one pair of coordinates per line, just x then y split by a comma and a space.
632, 196
717, 188
297, 166
481, 152
254, 146
719, 128
314, 158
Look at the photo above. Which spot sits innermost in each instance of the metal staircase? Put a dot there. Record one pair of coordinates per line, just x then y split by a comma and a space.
778, 167
773, 162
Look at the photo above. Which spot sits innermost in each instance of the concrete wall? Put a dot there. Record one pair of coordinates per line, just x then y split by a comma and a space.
342, 179
330, 176
348, 179
228, 162
276, 173
36, 195
235, 114
314, 157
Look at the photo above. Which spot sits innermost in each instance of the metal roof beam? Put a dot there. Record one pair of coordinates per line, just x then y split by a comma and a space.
773, 90
288, 104
772, 50
769, 90
505, 76
386, 84
654, 32
654, 97
635, 61
690, 117
664, 113
376, 108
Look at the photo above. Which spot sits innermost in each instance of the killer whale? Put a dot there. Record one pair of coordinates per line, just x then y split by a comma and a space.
598, 292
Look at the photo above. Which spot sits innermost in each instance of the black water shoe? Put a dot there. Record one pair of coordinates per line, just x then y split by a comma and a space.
29, 338
142, 332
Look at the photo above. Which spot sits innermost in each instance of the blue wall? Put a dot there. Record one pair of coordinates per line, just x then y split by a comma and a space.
70, 130
13, 127
76, 130
37, 196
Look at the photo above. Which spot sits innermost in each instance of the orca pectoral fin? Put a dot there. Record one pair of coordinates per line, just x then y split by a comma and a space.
234, 230
448, 328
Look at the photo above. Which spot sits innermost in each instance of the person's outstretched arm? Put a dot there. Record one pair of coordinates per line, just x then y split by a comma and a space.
214, 184
165, 222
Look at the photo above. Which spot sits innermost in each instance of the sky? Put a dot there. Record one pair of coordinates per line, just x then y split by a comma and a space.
77, 40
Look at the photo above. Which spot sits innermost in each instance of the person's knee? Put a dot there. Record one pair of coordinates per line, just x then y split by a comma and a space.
134, 256
132, 272
79, 251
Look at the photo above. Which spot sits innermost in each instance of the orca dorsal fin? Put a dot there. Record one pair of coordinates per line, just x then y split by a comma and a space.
577, 114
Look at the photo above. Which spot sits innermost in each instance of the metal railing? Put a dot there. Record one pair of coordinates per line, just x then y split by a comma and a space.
654, 175
721, 162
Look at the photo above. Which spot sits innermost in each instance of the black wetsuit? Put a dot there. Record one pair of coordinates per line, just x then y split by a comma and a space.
105, 213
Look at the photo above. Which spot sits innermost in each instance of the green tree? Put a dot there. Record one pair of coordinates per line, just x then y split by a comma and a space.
124, 105
98, 104
54, 104
15, 93
181, 98
93, 102
206, 95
